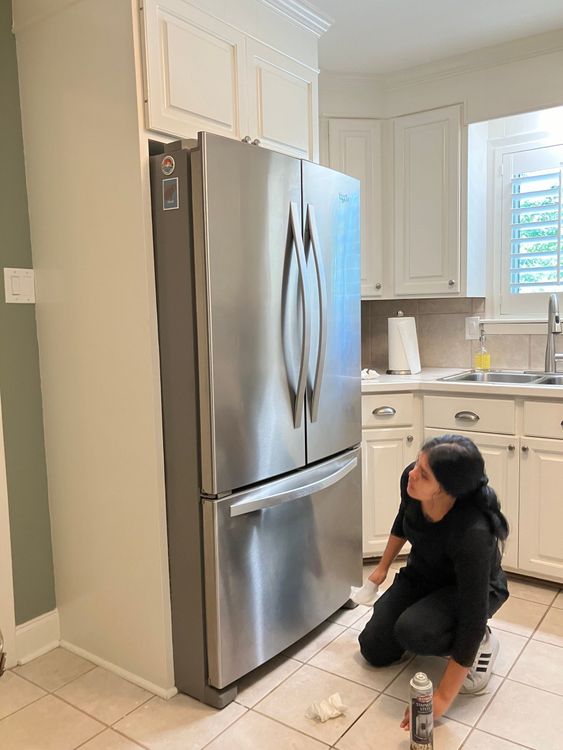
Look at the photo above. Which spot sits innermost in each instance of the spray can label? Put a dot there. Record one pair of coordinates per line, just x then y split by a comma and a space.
421, 722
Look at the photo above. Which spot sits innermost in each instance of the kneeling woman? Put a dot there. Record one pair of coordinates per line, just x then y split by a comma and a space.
453, 582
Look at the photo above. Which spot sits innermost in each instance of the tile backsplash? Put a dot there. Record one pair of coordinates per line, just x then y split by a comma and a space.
440, 325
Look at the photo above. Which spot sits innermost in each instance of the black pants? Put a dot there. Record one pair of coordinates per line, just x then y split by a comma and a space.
407, 618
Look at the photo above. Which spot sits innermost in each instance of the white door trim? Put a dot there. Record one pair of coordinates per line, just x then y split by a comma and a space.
7, 612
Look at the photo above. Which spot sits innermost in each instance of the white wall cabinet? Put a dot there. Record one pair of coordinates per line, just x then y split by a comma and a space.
354, 147
411, 170
282, 102
390, 440
427, 182
204, 74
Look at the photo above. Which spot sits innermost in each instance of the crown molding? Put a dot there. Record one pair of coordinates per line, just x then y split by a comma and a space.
303, 14
481, 59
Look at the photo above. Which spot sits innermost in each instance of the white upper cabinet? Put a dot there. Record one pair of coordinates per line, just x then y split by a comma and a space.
282, 102
195, 72
354, 147
427, 202
202, 73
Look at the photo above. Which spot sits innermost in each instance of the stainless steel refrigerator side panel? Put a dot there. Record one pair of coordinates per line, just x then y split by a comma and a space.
332, 229
253, 320
180, 422
203, 318
275, 574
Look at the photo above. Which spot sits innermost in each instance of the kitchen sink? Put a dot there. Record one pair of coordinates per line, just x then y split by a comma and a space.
495, 376
550, 380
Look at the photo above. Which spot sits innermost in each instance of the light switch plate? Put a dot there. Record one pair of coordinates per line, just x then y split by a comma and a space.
471, 328
19, 285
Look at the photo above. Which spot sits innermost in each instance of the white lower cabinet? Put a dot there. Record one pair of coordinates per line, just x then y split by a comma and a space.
385, 453
541, 507
521, 441
501, 454
390, 441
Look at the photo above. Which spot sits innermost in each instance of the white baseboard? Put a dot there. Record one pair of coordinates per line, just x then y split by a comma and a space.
38, 636
140, 681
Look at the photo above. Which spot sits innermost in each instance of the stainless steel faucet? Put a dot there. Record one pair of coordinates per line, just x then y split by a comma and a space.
553, 329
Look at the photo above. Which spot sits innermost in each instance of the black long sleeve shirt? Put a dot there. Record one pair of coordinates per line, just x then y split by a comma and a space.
460, 550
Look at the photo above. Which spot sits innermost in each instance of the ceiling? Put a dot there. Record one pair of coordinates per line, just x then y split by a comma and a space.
371, 37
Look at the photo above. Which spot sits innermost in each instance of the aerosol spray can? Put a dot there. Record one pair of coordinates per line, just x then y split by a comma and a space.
421, 716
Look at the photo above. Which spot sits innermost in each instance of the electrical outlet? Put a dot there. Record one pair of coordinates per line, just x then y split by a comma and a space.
471, 328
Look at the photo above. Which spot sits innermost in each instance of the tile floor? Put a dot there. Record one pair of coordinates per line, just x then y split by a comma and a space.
63, 702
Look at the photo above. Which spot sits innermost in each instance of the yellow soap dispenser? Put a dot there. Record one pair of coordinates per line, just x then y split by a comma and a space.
482, 359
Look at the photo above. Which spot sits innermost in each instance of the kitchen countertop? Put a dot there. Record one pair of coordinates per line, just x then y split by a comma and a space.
427, 380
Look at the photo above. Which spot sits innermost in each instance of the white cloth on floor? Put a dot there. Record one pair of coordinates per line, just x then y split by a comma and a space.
328, 708
367, 594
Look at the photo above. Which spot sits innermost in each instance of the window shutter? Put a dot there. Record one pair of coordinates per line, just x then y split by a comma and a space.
536, 232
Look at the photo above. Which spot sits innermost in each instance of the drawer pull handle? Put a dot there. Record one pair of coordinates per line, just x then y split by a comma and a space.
410, 438
384, 411
467, 416
511, 447
524, 449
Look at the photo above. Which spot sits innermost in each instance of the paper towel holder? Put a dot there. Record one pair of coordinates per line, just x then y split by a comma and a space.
416, 361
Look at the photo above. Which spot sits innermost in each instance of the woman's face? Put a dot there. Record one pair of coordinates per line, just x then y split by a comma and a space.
422, 484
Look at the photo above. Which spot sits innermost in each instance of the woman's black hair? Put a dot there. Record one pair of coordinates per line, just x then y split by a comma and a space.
458, 466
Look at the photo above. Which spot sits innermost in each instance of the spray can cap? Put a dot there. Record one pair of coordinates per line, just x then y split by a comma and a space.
420, 680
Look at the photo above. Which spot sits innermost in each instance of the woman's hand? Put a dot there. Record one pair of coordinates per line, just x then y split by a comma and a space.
440, 705
378, 575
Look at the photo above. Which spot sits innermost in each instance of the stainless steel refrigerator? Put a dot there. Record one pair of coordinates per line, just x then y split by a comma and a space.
257, 259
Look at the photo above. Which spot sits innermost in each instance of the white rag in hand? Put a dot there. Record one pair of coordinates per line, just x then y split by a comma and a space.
328, 708
367, 594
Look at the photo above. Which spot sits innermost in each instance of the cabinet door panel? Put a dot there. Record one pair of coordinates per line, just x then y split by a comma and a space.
501, 455
541, 509
194, 70
355, 148
385, 453
282, 102
427, 202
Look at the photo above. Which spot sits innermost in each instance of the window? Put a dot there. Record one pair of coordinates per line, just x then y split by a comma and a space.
531, 228
515, 210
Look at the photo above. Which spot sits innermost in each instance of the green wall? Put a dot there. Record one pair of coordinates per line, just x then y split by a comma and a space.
20, 387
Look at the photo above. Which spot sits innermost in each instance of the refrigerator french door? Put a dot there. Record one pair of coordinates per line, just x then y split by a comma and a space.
257, 276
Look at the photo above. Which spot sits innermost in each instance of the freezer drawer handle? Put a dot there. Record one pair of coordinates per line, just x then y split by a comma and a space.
312, 240
297, 244
255, 502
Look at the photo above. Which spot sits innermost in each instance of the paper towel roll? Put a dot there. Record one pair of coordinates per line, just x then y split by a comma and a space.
404, 358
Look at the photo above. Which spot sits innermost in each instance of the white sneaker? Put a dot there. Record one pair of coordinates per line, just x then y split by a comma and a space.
480, 673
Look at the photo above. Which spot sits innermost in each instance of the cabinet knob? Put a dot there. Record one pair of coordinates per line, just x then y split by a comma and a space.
410, 438
378, 285
451, 282
256, 142
524, 449
247, 139
511, 447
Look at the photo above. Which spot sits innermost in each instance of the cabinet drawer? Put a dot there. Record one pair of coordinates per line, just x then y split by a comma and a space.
543, 419
453, 413
387, 410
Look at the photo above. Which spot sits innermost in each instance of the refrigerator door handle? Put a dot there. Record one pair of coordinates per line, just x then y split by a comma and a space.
312, 237
257, 500
297, 244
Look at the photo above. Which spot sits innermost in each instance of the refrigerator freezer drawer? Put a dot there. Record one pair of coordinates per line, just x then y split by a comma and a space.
274, 571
